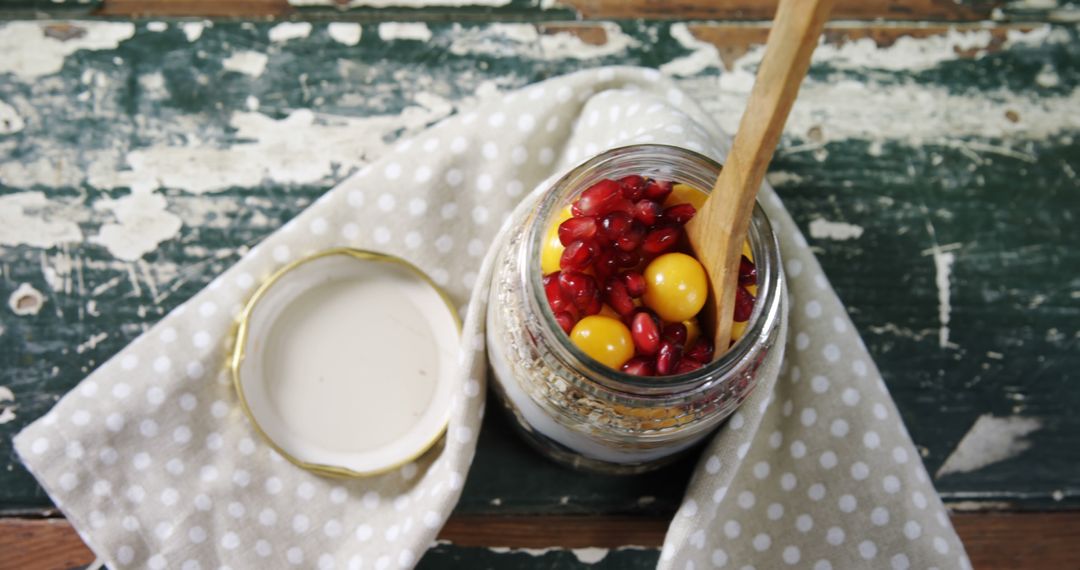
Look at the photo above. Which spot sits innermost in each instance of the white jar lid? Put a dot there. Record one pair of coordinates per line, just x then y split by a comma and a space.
343, 362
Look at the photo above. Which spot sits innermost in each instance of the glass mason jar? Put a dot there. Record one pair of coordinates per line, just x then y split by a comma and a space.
578, 411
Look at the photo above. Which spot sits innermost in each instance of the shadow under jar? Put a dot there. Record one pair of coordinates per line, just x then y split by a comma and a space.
574, 409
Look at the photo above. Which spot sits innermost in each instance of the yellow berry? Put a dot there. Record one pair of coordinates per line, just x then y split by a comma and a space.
693, 330
552, 248
605, 339
738, 329
685, 194
675, 287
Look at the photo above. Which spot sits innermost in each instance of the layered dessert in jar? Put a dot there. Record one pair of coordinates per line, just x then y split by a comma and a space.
595, 333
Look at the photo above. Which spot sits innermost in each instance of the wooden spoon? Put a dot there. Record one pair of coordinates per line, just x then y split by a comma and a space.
718, 231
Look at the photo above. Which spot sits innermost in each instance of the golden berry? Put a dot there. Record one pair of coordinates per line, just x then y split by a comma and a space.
605, 339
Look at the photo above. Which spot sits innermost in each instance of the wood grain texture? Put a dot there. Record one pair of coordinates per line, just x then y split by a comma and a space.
591, 9
764, 9
733, 41
1012, 350
199, 8
993, 540
718, 231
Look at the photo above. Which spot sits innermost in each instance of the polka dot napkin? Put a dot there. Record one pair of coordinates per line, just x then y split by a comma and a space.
155, 465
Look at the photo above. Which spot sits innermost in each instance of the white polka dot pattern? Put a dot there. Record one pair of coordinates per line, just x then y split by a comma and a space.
838, 430
154, 463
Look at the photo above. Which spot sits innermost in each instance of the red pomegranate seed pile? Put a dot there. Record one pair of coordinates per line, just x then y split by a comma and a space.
617, 227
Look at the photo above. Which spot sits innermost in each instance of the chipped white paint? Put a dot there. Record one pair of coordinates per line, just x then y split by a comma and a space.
141, 223
990, 440
943, 262
250, 63
821, 228
906, 53
57, 270
347, 33
529, 551
29, 53
29, 218
1047, 77
590, 555
26, 300
157, 26
192, 30
286, 31
497, 40
912, 112
783, 178
587, 555
302, 148
402, 3
1041, 36
91, 343
702, 56
7, 411
10, 120
565, 45
417, 31
152, 86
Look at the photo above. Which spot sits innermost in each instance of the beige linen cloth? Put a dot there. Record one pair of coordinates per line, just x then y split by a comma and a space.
155, 465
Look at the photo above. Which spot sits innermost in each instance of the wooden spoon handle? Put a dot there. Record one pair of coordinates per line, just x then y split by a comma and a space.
719, 230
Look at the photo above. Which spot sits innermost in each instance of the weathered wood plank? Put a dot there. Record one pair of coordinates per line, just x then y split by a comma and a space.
746, 10
993, 540
913, 146
764, 9
195, 8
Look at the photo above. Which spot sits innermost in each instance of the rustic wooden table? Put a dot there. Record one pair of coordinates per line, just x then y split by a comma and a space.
931, 160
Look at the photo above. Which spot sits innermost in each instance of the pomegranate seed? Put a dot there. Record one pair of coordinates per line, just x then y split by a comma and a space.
659, 240
614, 225
558, 299
580, 288
658, 190
635, 283
667, 357
744, 304
565, 320
577, 228
621, 205
594, 306
679, 214
639, 366
627, 258
606, 264
676, 332
597, 198
632, 237
701, 350
578, 255
647, 212
575, 211
551, 283
687, 365
632, 187
618, 298
645, 334
747, 272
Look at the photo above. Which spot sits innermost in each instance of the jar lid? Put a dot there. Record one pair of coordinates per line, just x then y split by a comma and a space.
343, 361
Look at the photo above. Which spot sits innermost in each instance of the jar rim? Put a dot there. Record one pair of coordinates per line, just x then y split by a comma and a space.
763, 243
